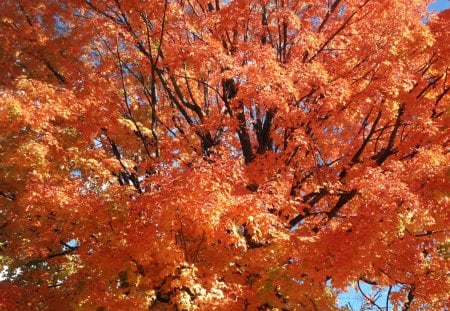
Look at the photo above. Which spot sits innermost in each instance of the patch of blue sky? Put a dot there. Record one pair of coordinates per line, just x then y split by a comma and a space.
73, 243
439, 5
61, 27
97, 143
357, 299
75, 173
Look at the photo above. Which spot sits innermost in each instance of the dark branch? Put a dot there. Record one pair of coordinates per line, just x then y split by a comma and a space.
385, 152
410, 297
8, 195
263, 132
344, 198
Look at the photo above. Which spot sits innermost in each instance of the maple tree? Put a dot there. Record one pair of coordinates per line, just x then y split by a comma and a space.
228, 155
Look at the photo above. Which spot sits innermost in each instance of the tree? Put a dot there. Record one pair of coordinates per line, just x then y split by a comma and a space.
228, 155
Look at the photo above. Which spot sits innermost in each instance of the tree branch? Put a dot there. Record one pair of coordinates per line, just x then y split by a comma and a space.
344, 198
385, 152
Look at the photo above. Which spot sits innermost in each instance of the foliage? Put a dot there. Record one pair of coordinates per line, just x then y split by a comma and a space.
223, 155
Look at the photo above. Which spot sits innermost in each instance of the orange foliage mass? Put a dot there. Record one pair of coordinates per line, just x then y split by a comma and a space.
223, 155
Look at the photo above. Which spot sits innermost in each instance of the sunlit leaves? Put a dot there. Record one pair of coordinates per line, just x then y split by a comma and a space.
199, 155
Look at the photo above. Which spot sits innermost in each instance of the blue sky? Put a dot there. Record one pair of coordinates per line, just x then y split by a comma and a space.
439, 5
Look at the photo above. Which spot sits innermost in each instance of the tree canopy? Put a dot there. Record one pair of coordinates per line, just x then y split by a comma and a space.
223, 155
